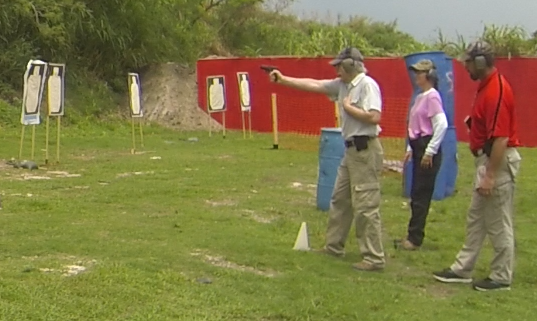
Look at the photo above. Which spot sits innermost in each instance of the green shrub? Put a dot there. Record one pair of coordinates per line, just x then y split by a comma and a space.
100, 41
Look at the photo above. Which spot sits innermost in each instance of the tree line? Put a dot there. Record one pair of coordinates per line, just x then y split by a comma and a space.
107, 38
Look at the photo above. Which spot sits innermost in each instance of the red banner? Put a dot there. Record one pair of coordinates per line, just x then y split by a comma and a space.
307, 113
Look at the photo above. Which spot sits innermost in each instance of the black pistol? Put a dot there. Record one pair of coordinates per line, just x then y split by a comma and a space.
269, 69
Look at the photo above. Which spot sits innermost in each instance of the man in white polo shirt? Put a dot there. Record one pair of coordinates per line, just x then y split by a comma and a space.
356, 192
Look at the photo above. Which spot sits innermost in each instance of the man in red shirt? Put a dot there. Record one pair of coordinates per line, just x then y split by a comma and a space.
493, 142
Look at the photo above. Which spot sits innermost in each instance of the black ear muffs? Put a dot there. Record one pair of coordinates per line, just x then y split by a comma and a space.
480, 60
432, 74
348, 56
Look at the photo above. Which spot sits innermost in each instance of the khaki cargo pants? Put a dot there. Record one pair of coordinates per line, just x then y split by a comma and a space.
356, 196
493, 216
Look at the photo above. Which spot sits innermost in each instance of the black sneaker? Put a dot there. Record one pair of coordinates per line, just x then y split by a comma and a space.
490, 285
448, 276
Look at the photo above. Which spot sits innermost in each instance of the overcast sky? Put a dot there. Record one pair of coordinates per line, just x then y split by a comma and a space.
421, 18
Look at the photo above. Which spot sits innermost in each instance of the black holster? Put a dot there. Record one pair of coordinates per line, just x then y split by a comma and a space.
359, 142
487, 147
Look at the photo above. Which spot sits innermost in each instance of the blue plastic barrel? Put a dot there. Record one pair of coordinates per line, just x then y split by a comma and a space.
446, 88
450, 140
331, 151
447, 175
450, 167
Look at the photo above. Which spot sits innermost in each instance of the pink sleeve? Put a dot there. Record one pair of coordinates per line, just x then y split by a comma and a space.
434, 105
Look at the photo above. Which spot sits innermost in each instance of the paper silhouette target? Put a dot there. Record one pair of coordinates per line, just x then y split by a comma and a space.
244, 90
216, 94
34, 83
56, 89
135, 95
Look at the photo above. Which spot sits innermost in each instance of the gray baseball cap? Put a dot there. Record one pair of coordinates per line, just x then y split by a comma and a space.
423, 65
347, 53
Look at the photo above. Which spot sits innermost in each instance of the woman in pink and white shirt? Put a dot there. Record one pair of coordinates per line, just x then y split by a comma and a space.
427, 127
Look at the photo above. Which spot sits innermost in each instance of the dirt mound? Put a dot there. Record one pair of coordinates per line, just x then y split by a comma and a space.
170, 98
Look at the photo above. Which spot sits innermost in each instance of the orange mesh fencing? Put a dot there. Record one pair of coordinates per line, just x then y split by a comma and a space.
306, 113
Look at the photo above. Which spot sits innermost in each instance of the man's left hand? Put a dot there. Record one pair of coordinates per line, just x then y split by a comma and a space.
487, 183
427, 161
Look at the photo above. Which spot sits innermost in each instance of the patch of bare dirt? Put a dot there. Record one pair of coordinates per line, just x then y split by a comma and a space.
63, 174
78, 267
439, 291
311, 188
393, 166
77, 187
258, 218
19, 194
4, 165
221, 203
221, 262
170, 98
47, 175
31, 177
83, 157
133, 173
136, 152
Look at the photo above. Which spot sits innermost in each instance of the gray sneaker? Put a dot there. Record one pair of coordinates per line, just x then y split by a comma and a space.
326, 251
448, 276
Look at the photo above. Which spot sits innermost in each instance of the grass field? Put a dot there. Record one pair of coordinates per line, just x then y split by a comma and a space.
206, 233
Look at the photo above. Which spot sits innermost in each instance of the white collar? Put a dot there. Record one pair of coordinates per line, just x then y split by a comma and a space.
430, 90
356, 80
